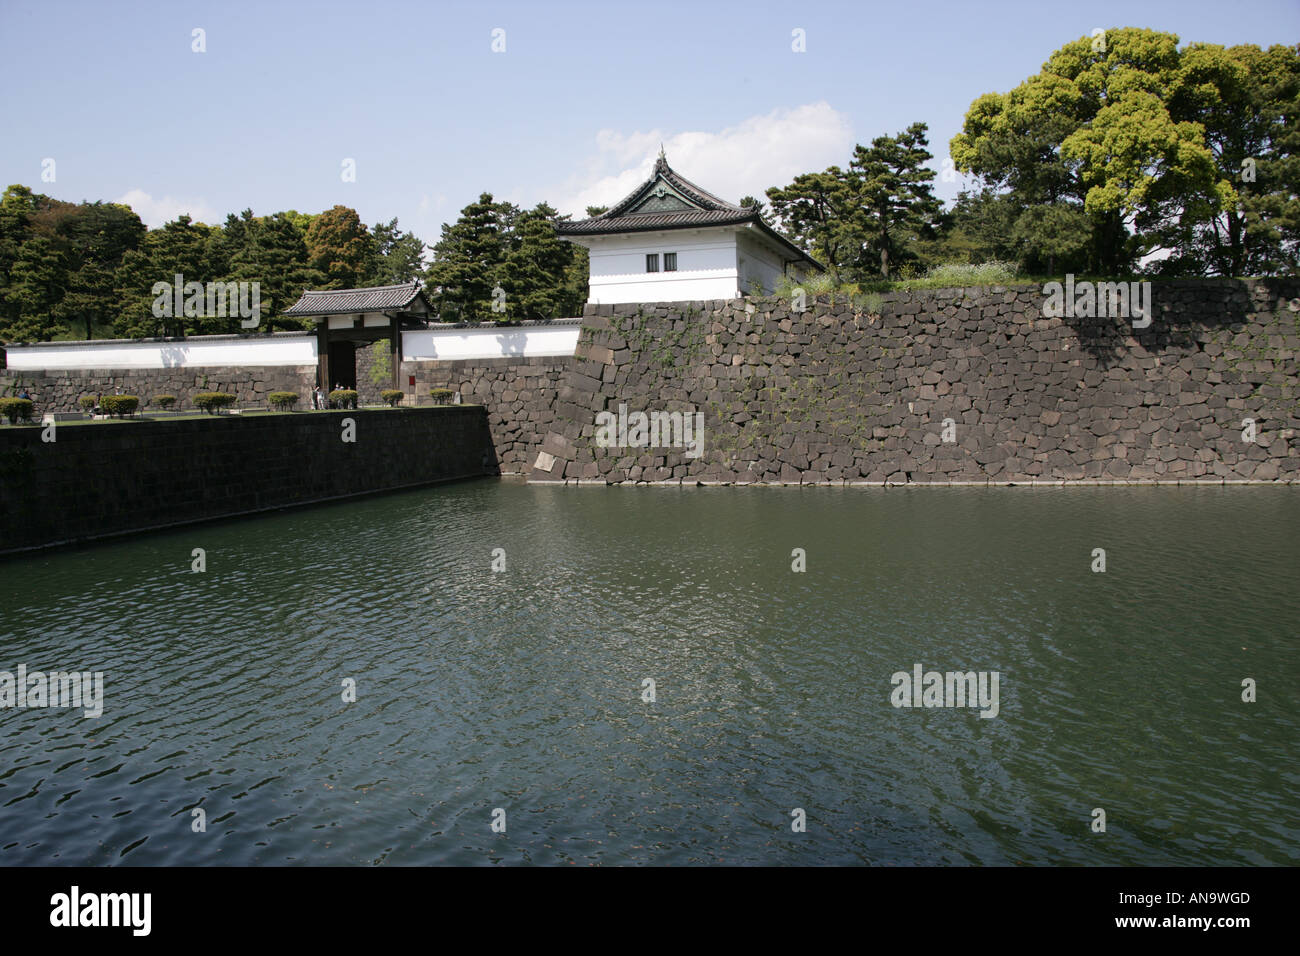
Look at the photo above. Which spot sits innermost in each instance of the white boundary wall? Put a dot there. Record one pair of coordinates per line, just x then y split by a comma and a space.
294, 349
198, 352
519, 341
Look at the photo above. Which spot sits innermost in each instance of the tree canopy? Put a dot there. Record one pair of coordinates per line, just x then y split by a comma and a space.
1125, 149
497, 254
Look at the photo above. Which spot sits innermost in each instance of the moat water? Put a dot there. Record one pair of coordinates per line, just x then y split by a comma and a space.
524, 690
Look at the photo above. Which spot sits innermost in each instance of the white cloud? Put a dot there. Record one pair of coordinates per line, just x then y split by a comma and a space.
154, 212
741, 160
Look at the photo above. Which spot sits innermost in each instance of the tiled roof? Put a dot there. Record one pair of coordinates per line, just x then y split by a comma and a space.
643, 210
380, 298
699, 197
656, 220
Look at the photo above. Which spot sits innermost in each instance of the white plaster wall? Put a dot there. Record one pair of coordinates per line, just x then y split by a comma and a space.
761, 263
526, 341
192, 353
706, 266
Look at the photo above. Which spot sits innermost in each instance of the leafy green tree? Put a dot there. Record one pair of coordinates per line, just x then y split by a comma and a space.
340, 248
1147, 142
1246, 100
58, 262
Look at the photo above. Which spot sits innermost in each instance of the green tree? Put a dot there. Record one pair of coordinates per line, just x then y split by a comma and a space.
271, 251
816, 212
37, 283
535, 273
180, 247
1246, 100
979, 227
1140, 138
466, 263
96, 236
340, 248
895, 206
764, 213
399, 256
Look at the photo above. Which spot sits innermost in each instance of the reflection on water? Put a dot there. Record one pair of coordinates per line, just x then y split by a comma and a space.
522, 690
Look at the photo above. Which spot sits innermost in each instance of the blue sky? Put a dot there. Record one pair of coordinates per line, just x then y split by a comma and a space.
571, 112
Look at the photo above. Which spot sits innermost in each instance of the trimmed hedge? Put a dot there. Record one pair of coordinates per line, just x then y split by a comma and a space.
283, 400
87, 403
120, 405
15, 409
393, 396
343, 398
164, 401
213, 402
441, 396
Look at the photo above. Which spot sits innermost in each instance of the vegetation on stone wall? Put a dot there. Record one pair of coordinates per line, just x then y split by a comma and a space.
381, 366
825, 395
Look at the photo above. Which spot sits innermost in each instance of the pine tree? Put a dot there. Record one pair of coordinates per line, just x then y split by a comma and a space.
896, 205
466, 263
535, 273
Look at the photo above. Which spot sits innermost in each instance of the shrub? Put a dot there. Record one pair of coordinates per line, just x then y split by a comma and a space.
992, 272
343, 398
120, 405
213, 401
869, 302
87, 402
283, 400
441, 396
164, 401
393, 396
15, 409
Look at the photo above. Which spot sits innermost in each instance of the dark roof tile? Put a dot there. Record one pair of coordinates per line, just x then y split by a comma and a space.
380, 298
709, 211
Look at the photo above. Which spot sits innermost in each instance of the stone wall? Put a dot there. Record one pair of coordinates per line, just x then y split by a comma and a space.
100, 479
970, 385
519, 393
374, 371
57, 390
